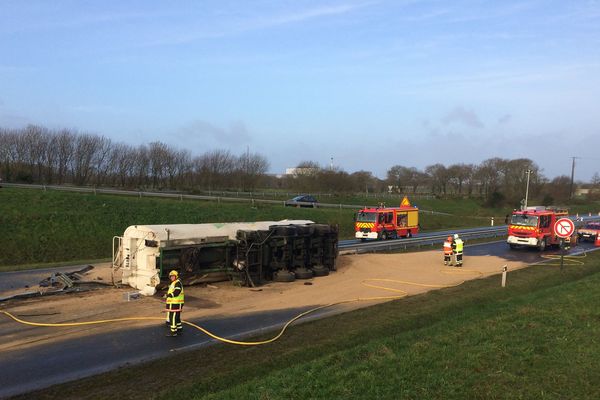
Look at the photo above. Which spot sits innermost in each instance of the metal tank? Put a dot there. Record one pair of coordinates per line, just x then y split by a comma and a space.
250, 253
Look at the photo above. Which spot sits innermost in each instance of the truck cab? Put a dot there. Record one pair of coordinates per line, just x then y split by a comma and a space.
534, 227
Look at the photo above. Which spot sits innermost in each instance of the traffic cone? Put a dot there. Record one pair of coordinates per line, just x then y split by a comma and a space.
597, 242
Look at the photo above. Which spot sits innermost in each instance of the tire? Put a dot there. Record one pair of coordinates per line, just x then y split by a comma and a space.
303, 273
408, 235
512, 246
319, 270
542, 245
384, 235
283, 276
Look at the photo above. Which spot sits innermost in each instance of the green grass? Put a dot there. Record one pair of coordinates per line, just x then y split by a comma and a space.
44, 227
536, 339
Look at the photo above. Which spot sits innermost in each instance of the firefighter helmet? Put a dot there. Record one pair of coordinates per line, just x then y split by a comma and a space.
174, 273
456, 236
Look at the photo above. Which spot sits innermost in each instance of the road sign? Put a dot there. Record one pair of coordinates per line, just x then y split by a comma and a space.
564, 228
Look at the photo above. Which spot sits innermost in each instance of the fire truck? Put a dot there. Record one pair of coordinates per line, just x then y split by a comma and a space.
534, 227
387, 222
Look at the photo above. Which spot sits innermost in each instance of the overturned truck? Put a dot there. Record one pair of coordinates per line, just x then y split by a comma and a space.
250, 253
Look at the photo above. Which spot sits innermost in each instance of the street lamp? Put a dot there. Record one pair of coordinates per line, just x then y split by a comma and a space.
528, 172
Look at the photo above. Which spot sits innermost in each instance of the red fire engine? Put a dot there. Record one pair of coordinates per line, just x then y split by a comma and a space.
387, 222
534, 227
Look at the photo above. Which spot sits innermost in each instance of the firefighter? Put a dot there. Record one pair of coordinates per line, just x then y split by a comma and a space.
457, 247
174, 303
448, 251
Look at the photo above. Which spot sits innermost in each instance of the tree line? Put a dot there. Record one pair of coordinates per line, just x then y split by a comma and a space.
35, 154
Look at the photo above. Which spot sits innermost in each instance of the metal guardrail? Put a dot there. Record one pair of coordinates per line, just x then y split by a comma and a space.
435, 238
182, 196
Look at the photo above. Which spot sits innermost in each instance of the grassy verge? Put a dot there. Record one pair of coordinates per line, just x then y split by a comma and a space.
535, 339
40, 227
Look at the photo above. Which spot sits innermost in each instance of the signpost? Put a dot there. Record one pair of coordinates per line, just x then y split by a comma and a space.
563, 228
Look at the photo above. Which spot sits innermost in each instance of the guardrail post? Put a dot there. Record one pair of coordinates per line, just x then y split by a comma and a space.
504, 269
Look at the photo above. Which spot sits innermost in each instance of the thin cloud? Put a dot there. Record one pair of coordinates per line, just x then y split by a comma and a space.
236, 133
505, 119
464, 117
249, 25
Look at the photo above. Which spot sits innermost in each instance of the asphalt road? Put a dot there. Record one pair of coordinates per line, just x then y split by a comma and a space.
40, 366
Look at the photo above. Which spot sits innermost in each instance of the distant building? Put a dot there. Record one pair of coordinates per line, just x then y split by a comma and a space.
301, 171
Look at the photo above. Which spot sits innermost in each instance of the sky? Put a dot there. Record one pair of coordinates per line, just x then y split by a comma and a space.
360, 84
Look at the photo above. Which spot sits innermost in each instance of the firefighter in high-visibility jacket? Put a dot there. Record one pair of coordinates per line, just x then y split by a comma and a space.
448, 251
175, 300
457, 247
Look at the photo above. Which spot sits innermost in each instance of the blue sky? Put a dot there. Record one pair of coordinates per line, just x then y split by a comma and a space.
370, 83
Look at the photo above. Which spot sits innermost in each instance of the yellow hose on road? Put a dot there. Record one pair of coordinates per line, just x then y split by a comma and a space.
283, 329
567, 259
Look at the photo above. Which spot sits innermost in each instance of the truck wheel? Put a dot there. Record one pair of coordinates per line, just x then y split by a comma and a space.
384, 235
303, 273
542, 245
408, 235
319, 270
512, 246
283, 276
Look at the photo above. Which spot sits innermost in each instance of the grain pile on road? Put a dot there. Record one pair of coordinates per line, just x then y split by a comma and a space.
225, 299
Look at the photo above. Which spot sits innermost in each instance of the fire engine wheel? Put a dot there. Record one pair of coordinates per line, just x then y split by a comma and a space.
384, 235
542, 245
408, 234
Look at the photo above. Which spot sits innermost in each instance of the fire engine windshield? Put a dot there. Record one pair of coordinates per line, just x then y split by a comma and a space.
524, 220
366, 217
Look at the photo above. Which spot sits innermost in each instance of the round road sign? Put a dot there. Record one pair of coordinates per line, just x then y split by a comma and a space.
564, 228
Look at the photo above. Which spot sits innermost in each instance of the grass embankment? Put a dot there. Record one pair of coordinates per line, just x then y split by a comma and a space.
535, 339
39, 227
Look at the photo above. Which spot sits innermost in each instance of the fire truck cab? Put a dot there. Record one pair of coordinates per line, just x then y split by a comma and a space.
387, 222
534, 227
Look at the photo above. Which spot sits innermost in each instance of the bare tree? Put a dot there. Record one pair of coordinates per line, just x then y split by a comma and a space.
64, 144
214, 169
439, 178
250, 168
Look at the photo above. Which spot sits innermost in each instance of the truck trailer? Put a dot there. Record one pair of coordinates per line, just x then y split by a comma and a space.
250, 253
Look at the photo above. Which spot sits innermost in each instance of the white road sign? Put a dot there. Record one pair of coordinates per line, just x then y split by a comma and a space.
564, 228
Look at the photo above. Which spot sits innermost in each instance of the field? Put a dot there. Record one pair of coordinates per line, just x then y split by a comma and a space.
535, 339
41, 227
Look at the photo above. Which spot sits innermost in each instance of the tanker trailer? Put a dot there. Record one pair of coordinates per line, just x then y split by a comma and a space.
251, 253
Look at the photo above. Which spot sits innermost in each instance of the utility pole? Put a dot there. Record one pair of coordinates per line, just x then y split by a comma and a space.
572, 177
528, 172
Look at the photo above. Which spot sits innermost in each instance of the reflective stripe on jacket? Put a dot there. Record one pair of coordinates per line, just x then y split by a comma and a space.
175, 293
458, 245
447, 247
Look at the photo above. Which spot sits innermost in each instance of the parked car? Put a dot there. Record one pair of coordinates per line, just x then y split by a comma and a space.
590, 231
302, 201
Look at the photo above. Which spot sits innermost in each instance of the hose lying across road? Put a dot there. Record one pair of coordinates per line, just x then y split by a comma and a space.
567, 260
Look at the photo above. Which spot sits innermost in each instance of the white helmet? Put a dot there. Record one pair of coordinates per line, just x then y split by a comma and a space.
456, 236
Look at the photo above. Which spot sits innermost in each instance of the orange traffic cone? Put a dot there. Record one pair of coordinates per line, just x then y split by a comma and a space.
597, 242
